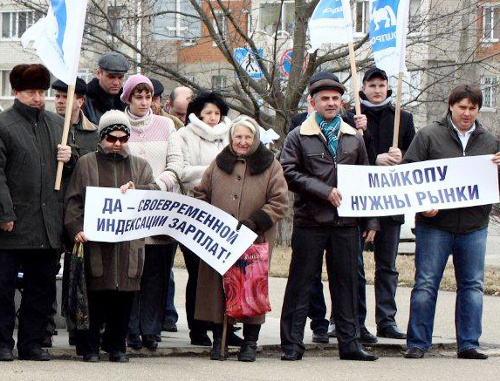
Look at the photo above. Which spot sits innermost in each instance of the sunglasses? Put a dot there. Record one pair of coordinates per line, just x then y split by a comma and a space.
113, 139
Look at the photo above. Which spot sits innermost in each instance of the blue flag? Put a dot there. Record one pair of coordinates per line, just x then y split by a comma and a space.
388, 30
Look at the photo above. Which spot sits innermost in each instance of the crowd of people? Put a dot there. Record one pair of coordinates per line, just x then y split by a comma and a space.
123, 135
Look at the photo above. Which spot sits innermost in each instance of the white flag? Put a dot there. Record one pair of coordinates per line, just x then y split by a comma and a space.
330, 23
388, 30
58, 38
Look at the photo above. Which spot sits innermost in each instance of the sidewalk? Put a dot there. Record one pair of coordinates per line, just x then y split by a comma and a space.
177, 343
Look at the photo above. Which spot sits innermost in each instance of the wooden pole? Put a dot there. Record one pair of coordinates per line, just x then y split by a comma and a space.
224, 337
397, 117
64, 139
355, 83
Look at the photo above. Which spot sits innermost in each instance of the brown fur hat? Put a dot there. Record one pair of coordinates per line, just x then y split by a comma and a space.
29, 77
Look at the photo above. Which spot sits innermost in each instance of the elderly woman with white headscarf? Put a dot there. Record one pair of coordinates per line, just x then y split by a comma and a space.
246, 181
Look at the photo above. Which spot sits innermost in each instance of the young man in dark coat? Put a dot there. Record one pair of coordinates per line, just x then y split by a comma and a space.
103, 93
31, 219
377, 121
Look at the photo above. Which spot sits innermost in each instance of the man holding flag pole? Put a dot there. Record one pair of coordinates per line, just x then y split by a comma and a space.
57, 40
30, 159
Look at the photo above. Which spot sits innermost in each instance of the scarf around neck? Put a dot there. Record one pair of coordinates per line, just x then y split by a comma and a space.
331, 131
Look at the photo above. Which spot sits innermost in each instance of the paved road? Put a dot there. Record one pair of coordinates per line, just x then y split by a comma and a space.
202, 369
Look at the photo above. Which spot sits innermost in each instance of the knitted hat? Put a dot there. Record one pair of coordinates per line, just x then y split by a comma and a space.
29, 77
113, 120
131, 83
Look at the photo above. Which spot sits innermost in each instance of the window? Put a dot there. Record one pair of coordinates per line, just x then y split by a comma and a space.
489, 85
219, 82
14, 24
115, 14
490, 23
220, 24
172, 20
6, 89
361, 16
277, 17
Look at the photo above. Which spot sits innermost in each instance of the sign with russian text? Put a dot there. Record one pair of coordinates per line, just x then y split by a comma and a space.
111, 216
371, 191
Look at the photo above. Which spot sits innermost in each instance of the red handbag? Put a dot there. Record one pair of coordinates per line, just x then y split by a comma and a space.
246, 283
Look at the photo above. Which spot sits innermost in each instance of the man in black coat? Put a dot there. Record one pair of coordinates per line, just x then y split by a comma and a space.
378, 124
103, 93
83, 135
31, 219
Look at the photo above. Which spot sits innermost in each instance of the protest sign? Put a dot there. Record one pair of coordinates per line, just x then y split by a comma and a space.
371, 191
111, 216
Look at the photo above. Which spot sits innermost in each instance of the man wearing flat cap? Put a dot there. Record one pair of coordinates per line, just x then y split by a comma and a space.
103, 92
309, 158
31, 219
83, 136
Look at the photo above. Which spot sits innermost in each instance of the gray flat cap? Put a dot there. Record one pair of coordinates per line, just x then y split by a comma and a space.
114, 62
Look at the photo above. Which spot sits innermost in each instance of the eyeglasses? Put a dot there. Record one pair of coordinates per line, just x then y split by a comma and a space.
113, 139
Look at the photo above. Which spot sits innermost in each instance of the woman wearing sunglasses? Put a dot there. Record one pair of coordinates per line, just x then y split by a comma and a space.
113, 270
153, 138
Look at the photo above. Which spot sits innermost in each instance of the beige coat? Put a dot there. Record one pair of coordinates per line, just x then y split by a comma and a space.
261, 197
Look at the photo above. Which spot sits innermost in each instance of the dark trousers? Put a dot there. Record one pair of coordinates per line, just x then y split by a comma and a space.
317, 305
39, 293
361, 291
386, 275
192, 262
308, 246
148, 309
112, 310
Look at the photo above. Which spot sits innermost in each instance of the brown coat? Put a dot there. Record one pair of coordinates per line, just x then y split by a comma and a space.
109, 266
252, 189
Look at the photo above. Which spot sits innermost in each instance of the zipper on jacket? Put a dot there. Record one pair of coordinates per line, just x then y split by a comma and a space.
322, 155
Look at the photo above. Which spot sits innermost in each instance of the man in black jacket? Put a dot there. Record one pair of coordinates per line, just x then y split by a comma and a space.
309, 159
83, 136
104, 92
378, 124
31, 219
461, 232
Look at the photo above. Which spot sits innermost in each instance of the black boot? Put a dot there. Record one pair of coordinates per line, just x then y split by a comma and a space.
248, 351
215, 353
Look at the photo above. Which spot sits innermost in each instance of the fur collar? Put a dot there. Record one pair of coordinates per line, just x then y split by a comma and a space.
257, 162
219, 132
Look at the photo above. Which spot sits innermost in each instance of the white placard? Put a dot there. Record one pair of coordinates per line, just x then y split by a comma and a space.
111, 216
371, 191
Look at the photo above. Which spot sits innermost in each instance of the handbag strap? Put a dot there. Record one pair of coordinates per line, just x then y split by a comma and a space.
177, 177
78, 249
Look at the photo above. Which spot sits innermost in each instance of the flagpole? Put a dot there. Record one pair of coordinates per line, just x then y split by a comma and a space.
397, 117
64, 140
355, 83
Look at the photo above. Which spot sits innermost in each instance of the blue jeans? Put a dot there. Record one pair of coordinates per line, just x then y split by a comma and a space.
433, 248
